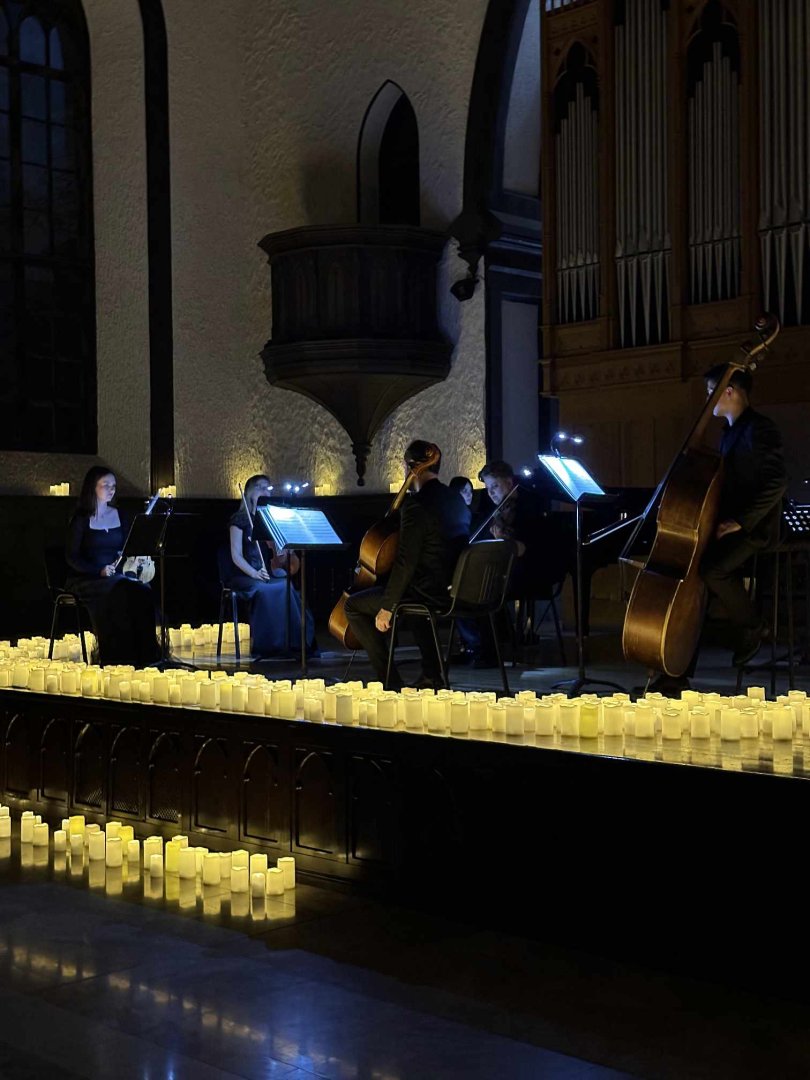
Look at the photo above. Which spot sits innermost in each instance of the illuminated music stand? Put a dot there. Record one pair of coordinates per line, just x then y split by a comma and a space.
298, 529
576, 484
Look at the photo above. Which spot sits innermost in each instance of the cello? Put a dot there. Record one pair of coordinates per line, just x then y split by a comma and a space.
664, 615
378, 549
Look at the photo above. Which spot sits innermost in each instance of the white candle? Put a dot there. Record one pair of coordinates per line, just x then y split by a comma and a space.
287, 704
51, 683
239, 879
5, 828
152, 845
612, 718
644, 722
239, 698
187, 863
59, 840
459, 717
40, 834
114, 853
544, 714
96, 846
255, 700
515, 721
749, 723
76, 845
36, 680
133, 851
226, 696
90, 830
730, 724
287, 864
569, 717
208, 695
344, 711
225, 864
69, 683
240, 858
190, 691
171, 855
387, 710
757, 693
156, 865
112, 828
414, 709
436, 713
699, 723
274, 882
258, 883
199, 855
670, 724
258, 863
588, 720
782, 720
212, 868
27, 827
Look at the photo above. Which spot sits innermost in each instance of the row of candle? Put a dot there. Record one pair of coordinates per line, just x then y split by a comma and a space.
117, 842
452, 712
68, 647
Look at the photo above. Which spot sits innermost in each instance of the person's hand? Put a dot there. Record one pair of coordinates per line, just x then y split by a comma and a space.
262, 575
108, 571
383, 620
497, 530
725, 528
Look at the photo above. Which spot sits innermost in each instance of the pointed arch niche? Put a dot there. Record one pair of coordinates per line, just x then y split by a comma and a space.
388, 160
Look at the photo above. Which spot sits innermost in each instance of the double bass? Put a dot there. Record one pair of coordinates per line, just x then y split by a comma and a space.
378, 549
665, 612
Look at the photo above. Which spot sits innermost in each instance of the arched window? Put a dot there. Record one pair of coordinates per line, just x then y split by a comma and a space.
47, 324
388, 161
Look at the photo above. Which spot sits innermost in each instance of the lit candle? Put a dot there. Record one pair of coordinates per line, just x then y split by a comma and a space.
387, 710
200, 853
156, 865
782, 720
27, 827
287, 865
288, 704
730, 724
436, 713
59, 840
344, 708
588, 720
133, 851
40, 838
699, 722
76, 845
258, 883
171, 856
569, 717
96, 845
414, 710
459, 717
36, 680
644, 721
670, 724
152, 845
225, 864
112, 828
238, 698
160, 690
514, 719
90, 830
190, 691
51, 683
274, 882
226, 696
187, 863
612, 718
239, 879
749, 723
126, 832
212, 868
756, 693
113, 851
544, 715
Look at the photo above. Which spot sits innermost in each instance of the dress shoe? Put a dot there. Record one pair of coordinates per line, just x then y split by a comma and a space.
749, 645
668, 685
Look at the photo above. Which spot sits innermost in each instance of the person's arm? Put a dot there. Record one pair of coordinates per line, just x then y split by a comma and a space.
771, 476
411, 533
239, 561
73, 549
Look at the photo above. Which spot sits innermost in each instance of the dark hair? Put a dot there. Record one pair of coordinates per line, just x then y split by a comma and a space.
86, 504
252, 481
741, 378
419, 450
458, 483
500, 470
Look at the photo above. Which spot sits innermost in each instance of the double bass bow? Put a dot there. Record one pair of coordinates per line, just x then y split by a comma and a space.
664, 615
378, 549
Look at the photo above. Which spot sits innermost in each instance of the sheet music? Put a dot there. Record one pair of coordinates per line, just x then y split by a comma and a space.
297, 527
571, 475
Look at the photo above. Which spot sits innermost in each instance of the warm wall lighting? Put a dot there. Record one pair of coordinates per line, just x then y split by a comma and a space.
59, 489
168, 492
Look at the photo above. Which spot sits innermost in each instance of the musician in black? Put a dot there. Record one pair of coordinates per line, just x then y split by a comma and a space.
521, 519
754, 483
434, 526
121, 608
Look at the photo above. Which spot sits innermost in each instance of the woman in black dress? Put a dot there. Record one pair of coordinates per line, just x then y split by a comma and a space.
121, 608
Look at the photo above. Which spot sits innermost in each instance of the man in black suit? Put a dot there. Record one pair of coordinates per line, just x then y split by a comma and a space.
434, 527
754, 482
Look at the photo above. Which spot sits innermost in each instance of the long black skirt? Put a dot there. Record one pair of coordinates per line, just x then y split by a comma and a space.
123, 615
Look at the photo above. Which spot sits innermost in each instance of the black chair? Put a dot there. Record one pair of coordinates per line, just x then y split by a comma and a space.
781, 592
478, 591
230, 596
56, 574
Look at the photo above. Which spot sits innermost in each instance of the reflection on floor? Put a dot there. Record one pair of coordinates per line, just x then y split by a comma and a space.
117, 977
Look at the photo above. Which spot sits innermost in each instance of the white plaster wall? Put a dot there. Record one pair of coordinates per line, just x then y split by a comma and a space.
119, 192
266, 105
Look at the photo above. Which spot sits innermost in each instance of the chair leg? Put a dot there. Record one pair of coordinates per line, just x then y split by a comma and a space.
53, 628
81, 632
439, 656
506, 689
235, 614
789, 602
450, 641
391, 646
221, 622
558, 629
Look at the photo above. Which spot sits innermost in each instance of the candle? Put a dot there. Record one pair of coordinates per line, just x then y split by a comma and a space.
112, 828
133, 851
387, 710
612, 717
459, 717
749, 723
171, 856
114, 851
436, 713
187, 863
36, 680
190, 691
126, 832
90, 830
288, 704
644, 722
255, 700
239, 879
699, 723
212, 868
287, 864
782, 720
670, 724
152, 845
730, 724
225, 864
238, 698
156, 865
199, 855
588, 720
756, 693
414, 709
69, 683
239, 858
76, 845
160, 690
569, 717
59, 840
274, 882
5, 828
27, 827
181, 840
344, 708
96, 845
258, 883
544, 713
258, 863
51, 683
226, 696
515, 721
208, 695
40, 838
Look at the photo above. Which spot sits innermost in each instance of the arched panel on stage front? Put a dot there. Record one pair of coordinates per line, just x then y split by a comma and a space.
88, 768
16, 755
262, 817
317, 825
54, 761
373, 810
125, 772
210, 809
164, 798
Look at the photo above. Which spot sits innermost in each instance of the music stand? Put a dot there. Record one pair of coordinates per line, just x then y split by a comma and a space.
576, 484
298, 529
151, 534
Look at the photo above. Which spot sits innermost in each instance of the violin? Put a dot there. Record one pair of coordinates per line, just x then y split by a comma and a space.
378, 550
286, 561
140, 567
664, 616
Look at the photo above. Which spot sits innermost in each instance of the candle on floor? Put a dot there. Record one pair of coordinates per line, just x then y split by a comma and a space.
156, 865
152, 845
133, 851
612, 718
588, 720
274, 881
114, 853
5, 828
212, 868
699, 722
200, 853
59, 840
225, 864
671, 724
569, 717
40, 838
287, 865
239, 879
209, 694
258, 863
171, 856
782, 721
112, 828
27, 827
258, 883
459, 717
76, 845
749, 723
187, 863
96, 845
514, 718
730, 724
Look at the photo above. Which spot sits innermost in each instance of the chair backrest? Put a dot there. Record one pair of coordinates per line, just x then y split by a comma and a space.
56, 568
225, 565
482, 575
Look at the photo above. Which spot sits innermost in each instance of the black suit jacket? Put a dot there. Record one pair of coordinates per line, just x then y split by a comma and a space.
754, 477
434, 527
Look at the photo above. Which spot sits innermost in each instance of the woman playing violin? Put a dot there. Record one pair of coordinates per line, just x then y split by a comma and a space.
121, 608
260, 572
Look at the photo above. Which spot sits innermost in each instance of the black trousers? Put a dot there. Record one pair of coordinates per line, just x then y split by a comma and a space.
722, 571
361, 611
